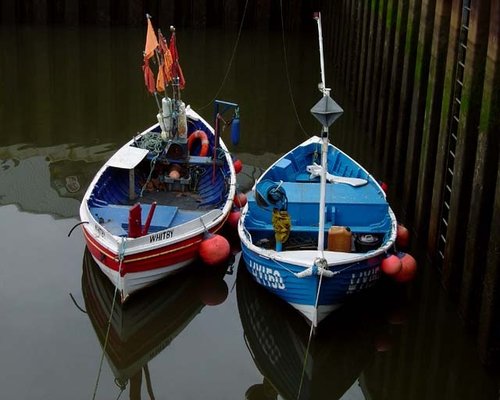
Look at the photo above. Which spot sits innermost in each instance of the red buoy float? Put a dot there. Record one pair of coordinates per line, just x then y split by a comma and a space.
240, 199
402, 236
214, 250
233, 218
391, 265
238, 166
384, 186
408, 268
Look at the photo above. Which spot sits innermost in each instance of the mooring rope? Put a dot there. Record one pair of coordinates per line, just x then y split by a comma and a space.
230, 60
309, 340
287, 72
121, 255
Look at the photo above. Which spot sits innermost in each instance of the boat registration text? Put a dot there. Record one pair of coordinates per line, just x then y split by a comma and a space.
267, 276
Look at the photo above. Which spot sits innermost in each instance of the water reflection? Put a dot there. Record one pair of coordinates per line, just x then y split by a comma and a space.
49, 180
145, 325
277, 338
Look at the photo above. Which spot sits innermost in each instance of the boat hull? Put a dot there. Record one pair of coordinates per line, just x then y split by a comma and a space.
185, 210
311, 278
281, 279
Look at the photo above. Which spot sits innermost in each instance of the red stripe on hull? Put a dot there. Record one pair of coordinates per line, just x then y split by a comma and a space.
147, 260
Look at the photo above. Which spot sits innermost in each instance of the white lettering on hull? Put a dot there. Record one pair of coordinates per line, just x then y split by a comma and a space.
267, 276
363, 280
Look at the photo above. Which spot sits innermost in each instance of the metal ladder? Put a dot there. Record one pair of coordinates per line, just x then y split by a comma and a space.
453, 129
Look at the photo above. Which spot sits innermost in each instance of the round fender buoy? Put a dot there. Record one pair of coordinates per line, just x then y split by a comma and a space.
174, 174
233, 218
238, 166
384, 186
408, 268
391, 265
213, 291
240, 199
214, 250
402, 236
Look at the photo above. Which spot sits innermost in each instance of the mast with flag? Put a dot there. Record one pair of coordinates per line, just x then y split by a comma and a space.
172, 112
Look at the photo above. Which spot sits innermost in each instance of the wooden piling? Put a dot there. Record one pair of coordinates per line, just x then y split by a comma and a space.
480, 293
428, 151
471, 98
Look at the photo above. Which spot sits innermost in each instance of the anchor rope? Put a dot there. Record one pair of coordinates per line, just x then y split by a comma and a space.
288, 74
121, 254
309, 340
230, 60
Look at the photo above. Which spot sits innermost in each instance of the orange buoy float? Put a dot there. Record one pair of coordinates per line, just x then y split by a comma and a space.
214, 250
201, 136
233, 218
240, 200
402, 236
238, 166
391, 265
408, 268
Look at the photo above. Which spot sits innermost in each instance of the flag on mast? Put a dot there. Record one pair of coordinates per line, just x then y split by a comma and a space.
149, 51
176, 67
164, 69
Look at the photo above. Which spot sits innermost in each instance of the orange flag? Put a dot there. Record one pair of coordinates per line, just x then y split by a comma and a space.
151, 41
149, 79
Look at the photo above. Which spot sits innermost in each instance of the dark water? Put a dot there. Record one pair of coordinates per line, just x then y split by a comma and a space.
67, 99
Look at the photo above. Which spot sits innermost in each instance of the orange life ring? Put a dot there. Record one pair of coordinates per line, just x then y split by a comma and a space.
199, 135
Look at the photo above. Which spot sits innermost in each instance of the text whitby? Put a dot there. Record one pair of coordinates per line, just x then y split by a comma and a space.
160, 236
267, 276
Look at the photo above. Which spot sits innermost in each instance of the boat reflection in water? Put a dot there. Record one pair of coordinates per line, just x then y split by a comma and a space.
277, 339
141, 328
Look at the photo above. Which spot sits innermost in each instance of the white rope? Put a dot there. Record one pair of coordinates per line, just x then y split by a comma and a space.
121, 254
311, 331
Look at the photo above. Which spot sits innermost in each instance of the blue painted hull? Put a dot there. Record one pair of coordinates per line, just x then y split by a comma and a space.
293, 273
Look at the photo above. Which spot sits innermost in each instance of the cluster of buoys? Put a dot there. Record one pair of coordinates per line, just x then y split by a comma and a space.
401, 266
216, 249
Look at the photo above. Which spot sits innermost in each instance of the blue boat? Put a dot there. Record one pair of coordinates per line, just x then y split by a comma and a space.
317, 225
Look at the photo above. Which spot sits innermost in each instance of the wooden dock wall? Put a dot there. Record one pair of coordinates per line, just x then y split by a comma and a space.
424, 76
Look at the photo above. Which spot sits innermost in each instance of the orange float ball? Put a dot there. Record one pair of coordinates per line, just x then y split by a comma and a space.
240, 199
174, 174
391, 265
214, 250
408, 268
402, 236
238, 166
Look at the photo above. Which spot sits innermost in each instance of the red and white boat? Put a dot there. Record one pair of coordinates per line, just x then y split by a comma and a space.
177, 177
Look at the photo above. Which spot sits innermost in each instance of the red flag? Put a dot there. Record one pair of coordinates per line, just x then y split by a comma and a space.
149, 78
164, 69
176, 67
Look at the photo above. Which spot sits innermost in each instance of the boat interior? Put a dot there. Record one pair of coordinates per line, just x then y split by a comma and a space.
362, 209
183, 186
